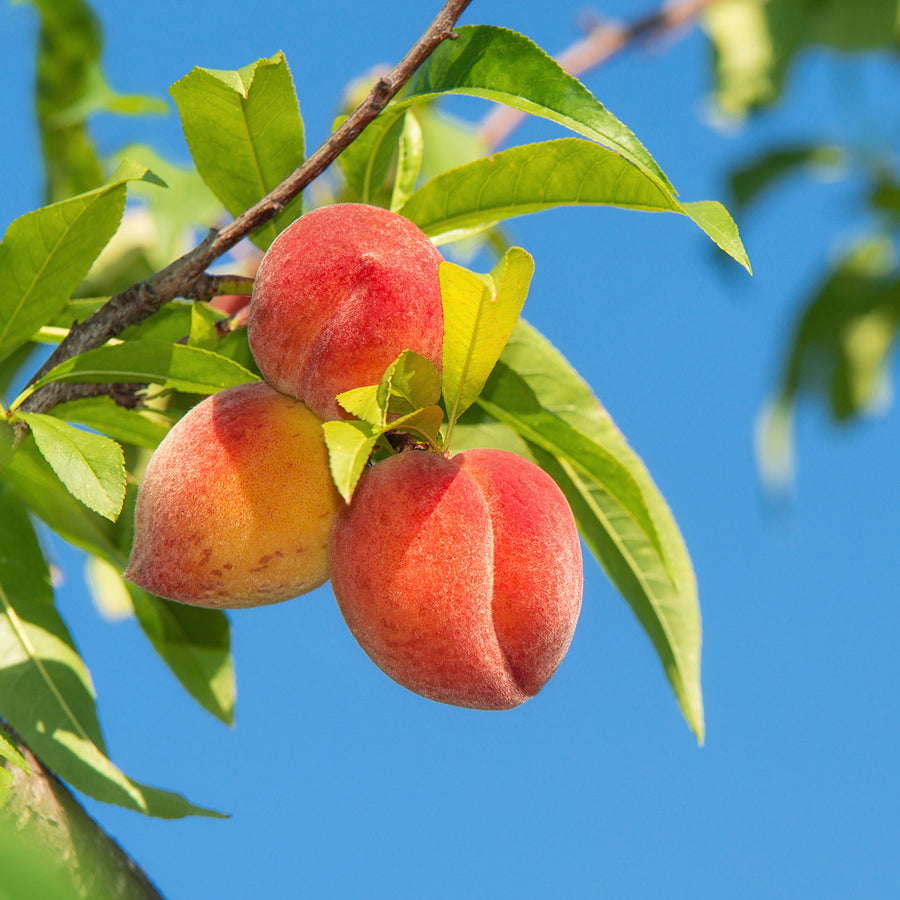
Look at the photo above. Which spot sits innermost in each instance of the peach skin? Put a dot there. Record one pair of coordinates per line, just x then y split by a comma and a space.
236, 504
340, 293
461, 578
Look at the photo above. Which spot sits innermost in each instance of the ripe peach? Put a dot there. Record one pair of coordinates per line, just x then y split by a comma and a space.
461, 578
236, 504
340, 293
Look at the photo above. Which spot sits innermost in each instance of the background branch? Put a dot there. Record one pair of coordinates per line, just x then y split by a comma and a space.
178, 278
603, 41
46, 818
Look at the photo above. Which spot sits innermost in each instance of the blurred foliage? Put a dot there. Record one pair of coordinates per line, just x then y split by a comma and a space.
837, 349
755, 42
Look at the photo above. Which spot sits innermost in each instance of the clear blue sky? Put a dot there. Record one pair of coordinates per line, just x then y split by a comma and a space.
341, 784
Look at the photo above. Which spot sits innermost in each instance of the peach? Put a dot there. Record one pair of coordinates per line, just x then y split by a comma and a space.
236, 504
339, 295
460, 577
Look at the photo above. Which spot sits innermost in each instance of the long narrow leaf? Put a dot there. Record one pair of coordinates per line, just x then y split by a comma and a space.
535, 177
507, 67
45, 689
174, 366
654, 575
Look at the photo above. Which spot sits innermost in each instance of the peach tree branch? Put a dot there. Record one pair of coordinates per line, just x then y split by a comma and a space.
141, 300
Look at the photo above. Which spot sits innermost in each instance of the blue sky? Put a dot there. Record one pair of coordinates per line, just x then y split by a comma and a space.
341, 784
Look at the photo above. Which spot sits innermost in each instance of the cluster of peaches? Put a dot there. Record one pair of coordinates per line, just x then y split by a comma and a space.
460, 576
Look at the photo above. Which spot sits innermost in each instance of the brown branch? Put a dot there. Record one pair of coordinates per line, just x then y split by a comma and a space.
602, 42
178, 278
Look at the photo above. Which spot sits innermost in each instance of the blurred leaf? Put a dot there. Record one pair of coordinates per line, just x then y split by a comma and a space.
480, 312
838, 350
409, 161
108, 590
71, 86
367, 161
10, 753
34, 869
350, 444
203, 333
751, 179
174, 366
636, 540
501, 65
245, 134
448, 141
534, 177
756, 42
195, 644
45, 690
140, 427
91, 466
167, 223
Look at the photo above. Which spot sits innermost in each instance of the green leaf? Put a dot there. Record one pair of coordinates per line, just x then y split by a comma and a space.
363, 403
30, 477
422, 424
716, 221
195, 644
409, 161
91, 466
245, 134
174, 366
535, 177
410, 383
143, 428
46, 253
501, 65
203, 333
480, 313
45, 690
350, 444
509, 399
654, 575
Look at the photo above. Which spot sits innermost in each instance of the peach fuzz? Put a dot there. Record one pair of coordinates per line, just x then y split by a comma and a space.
461, 578
236, 504
340, 293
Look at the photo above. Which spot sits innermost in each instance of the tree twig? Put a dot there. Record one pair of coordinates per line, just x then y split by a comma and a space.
143, 299
602, 42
